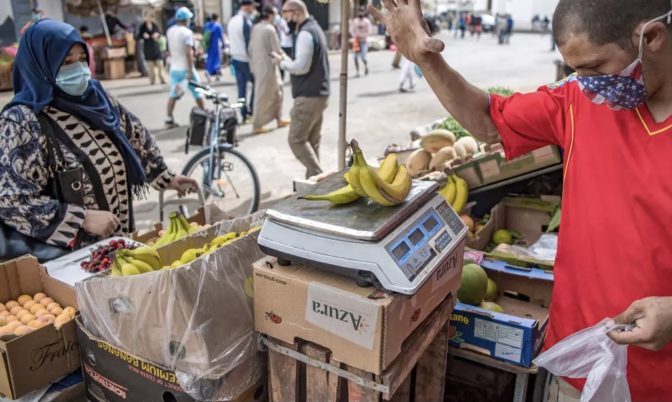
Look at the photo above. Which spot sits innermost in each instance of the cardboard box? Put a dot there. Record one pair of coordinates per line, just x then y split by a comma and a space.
363, 327
197, 319
114, 69
113, 374
515, 336
32, 361
495, 167
113, 53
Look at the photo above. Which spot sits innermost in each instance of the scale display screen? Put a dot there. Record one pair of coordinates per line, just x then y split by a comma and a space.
400, 251
411, 250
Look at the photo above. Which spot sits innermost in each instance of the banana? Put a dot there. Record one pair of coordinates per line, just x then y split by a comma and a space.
400, 186
168, 236
354, 173
386, 194
372, 190
146, 254
181, 230
344, 195
388, 169
449, 190
142, 266
461, 194
116, 270
187, 226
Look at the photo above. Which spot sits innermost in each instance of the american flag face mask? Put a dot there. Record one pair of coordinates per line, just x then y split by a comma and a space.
624, 90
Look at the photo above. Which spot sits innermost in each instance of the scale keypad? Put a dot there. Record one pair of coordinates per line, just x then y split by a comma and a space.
450, 217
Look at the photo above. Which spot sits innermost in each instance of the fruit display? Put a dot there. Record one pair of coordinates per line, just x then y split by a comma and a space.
388, 185
216, 243
178, 227
477, 289
29, 313
102, 256
456, 192
502, 236
439, 150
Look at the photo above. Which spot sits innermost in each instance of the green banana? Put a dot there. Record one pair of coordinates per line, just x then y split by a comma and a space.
344, 195
142, 266
168, 236
187, 226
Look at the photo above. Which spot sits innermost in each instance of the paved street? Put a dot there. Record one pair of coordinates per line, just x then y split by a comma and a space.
377, 114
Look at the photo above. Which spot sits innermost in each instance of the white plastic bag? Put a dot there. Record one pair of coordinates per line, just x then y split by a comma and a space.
592, 355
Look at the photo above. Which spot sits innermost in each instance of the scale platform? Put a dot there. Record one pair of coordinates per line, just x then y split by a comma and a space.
394, 248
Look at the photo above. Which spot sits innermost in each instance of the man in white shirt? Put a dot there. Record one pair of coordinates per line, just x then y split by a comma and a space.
239, 30
182, 70
310, 84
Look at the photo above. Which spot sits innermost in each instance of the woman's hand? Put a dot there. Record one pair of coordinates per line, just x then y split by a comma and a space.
183, 185
408, 29
100, 223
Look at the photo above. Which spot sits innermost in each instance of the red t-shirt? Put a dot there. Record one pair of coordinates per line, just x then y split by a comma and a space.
615, 242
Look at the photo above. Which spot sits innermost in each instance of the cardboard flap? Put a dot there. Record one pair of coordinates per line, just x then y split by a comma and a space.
62, 293
5, 386
20, 276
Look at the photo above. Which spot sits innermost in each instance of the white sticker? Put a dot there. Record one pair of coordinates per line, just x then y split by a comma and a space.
342, 314
543, 155
507, 352
490, 169
498, 333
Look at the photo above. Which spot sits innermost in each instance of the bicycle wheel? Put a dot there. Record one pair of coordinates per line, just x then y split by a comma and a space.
235, 185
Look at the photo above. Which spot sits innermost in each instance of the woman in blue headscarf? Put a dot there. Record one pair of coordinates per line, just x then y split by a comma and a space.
94, 133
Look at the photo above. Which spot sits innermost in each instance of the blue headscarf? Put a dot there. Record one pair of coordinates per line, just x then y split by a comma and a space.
42, 51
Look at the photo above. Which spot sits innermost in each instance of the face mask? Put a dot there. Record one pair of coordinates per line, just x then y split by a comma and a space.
624, 90
73, 79
277, 20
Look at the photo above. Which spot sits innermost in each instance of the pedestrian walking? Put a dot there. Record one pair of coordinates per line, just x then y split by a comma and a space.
182, 69
407, 76
264, 42
359, 29
239, 30
149, 33
310, 84
213, 44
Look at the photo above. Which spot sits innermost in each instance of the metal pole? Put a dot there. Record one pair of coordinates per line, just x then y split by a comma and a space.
343, 95
102, 20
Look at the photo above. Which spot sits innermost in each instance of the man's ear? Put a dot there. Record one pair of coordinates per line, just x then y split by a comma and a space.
655, 37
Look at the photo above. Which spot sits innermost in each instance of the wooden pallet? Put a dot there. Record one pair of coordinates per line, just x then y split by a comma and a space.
305, 372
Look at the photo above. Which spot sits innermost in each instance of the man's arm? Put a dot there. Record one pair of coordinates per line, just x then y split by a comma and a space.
190, 62
303, 58
468, 104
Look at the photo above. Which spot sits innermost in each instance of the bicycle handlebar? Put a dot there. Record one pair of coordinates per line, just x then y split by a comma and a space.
198, 85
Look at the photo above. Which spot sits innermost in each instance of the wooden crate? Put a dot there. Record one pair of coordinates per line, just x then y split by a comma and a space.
305, 372
6, 77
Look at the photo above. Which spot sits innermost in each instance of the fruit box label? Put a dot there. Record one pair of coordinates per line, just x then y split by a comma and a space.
342, 314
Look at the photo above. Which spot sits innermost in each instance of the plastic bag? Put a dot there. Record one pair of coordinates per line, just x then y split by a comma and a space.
592, 355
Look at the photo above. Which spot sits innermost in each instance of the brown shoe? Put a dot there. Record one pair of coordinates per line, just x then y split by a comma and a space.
283, 123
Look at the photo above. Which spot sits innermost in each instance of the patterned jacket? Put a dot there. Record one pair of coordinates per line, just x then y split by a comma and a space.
25, 204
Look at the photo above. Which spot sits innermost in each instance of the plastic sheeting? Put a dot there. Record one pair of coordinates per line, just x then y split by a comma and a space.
197, 319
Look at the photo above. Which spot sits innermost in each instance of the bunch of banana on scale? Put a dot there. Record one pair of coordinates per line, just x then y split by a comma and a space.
456, 192
389, 185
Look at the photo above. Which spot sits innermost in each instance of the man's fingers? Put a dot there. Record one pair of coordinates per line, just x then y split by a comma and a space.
636, 335
630, 315
434, 45
376, 14
390, 5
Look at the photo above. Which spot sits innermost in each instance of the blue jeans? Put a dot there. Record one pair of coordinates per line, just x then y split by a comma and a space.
243, 76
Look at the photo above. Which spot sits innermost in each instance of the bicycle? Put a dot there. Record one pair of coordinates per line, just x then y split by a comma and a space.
228, 184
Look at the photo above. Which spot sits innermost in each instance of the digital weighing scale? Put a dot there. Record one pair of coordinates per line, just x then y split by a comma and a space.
394, 248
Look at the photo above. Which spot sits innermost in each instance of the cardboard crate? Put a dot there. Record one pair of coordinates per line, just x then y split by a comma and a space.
197, 319
495, 167
112, 374
515, 336
113, 53
34, 360
114, 69
362, 327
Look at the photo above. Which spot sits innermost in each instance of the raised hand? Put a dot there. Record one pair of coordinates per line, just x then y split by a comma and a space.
408, 29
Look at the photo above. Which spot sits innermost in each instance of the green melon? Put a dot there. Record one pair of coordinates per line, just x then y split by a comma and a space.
474, 285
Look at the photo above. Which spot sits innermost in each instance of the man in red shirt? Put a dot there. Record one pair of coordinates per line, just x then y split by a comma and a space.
614, 120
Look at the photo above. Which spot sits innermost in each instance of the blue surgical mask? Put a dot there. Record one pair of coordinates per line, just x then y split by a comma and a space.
74, 78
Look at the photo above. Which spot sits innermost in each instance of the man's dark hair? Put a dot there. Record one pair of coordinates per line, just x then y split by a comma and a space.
605, 21
214, 17
267, 11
